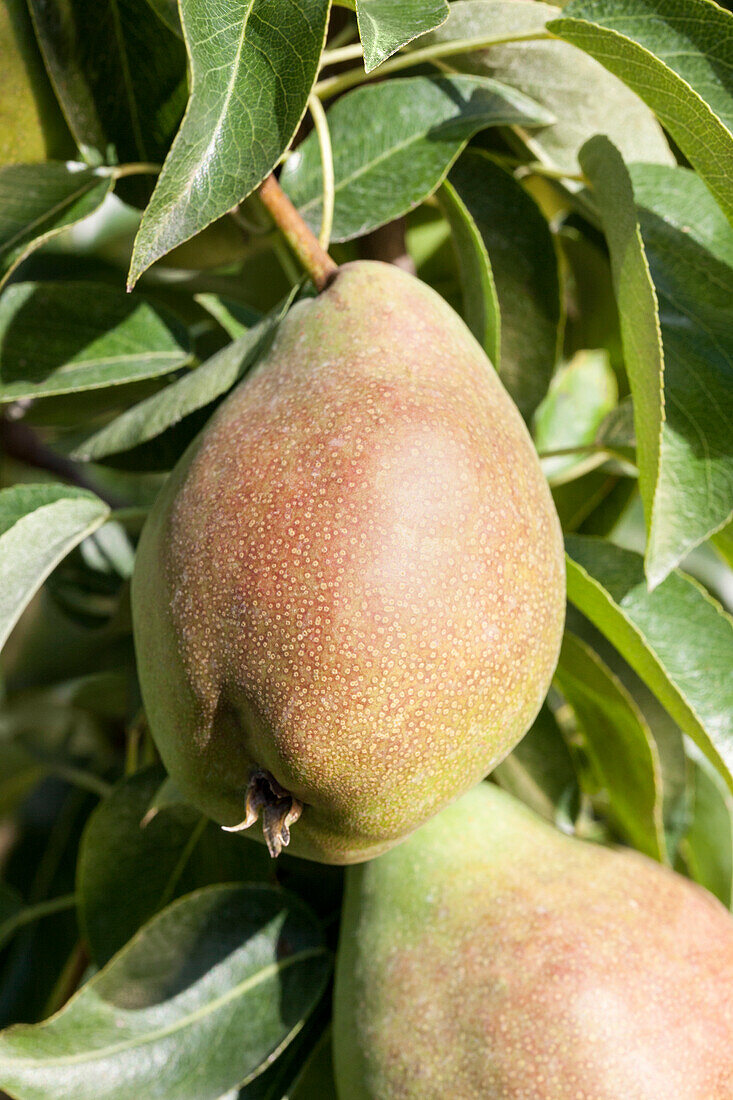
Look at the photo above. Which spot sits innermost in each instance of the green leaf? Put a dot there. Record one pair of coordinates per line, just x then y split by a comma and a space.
582, 394
316, 1081
616, 430
39, 525
675, 300
385, 26
707, 847
591, 317
128, 869
524, 265
167, 12
676, 638
675, 54
286, 1072
14, 914
203, 999
251, 74
120, 77
19, 773
480, 302
581, 96
540, 770
38, 201
417, 126
11, 906
680, 198
92, 335
723, 543
234, 318
195, 391
31, 125
674, 764
618, 743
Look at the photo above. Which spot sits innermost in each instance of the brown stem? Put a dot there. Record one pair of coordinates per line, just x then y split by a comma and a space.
388, 244
19, 441
301, 239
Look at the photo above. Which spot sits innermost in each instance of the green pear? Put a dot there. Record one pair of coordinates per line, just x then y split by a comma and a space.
491, 957
349, 598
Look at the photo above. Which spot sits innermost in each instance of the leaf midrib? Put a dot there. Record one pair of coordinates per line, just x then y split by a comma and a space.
164, 1032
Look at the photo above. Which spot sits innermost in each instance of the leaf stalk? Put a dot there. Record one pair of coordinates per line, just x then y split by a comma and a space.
299, 236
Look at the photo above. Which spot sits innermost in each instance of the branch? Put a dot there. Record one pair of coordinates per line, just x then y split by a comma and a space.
299, 236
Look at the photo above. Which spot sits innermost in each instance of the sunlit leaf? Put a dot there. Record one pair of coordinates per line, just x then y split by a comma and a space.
201, 1000
677, 639
582, 98
39, 525
93, 336
582, 394
130, 867
393, 144
675, 54
37, 201
675, 298
386, 26
251, 74
194, 392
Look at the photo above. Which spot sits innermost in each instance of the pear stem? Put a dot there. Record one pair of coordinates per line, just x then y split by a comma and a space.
299, 236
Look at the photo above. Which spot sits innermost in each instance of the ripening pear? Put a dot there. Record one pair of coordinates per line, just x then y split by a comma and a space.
349, 598
491, 957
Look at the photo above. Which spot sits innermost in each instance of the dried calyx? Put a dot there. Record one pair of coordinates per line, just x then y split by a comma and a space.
280, 810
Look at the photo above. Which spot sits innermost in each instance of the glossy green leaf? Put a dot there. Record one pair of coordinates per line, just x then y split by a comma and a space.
119, 75
130, 867
39, 525
524, 265
540, 770
38, 201
181, 399
251, 74
582, 393
201, 1000
387, 25
581, 96
676, 55
93, 336
618, 743
707, 847
676, 638
675, 301
480, 301
393, 144
31, 125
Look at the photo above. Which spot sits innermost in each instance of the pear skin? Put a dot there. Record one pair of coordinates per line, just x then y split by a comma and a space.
349, 598
491, 957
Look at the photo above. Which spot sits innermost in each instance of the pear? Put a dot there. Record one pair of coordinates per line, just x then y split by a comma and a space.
349, 598
490, 956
